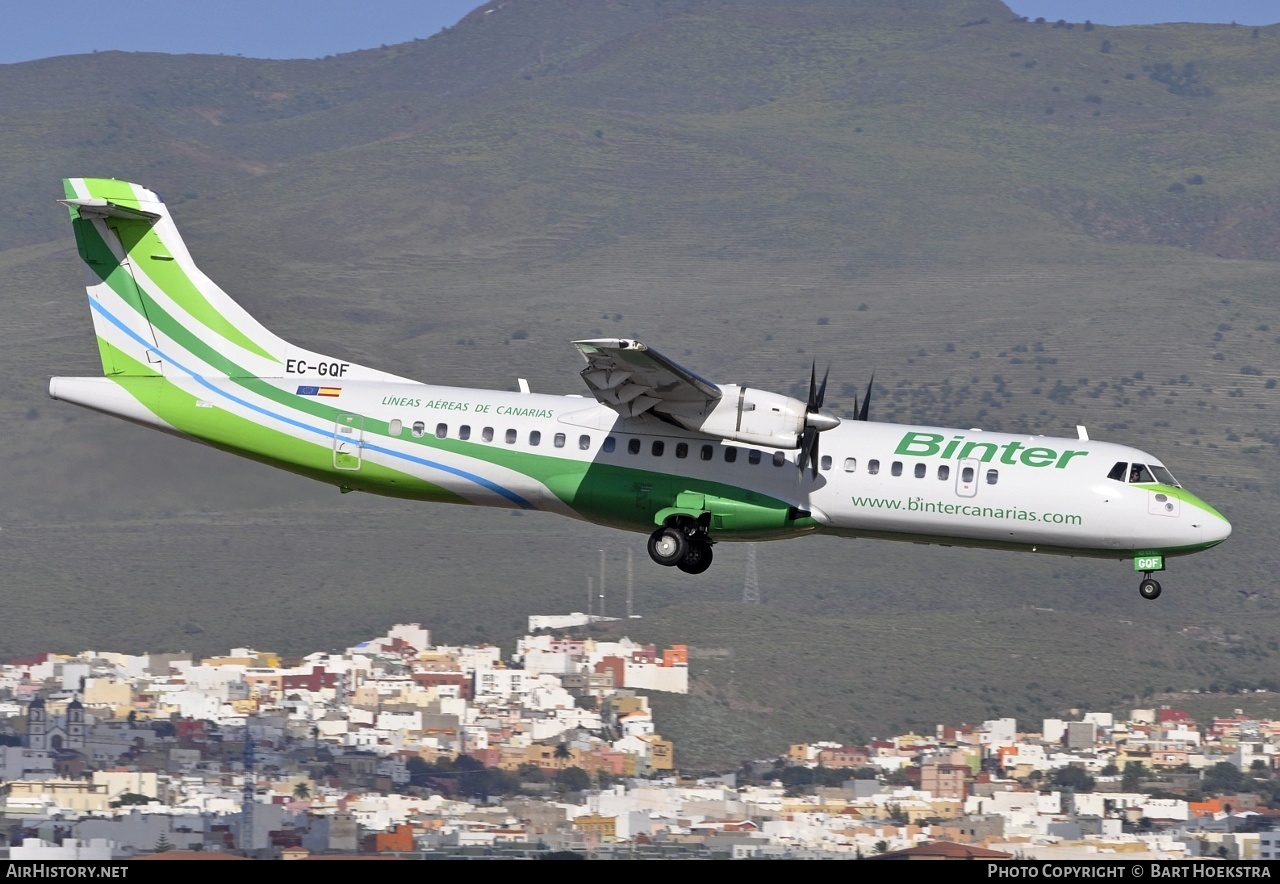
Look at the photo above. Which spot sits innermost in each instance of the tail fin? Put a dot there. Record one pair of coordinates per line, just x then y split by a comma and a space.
154, 311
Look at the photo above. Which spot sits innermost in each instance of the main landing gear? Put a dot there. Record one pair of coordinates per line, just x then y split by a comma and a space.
1149, 588
687, 549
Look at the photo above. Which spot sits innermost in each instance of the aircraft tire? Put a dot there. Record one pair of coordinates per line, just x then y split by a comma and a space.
1149, 589
697, 559
668, 546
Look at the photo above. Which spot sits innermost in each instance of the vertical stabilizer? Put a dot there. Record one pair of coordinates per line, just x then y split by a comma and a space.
150, 302
154, 311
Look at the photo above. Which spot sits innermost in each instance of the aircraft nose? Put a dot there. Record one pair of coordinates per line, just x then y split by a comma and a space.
1217, 530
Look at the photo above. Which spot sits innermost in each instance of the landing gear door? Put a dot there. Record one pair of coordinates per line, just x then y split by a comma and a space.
967, 469
348, 441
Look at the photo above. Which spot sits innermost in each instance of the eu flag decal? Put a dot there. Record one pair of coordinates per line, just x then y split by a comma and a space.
320, 391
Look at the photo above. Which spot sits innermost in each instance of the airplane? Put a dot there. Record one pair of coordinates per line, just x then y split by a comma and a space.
657, 449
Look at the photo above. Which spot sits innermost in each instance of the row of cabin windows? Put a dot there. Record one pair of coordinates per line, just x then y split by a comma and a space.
705, 452
920, 470
419, 429
658, 448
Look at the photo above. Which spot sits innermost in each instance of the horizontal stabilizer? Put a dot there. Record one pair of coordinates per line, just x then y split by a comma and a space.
108, 209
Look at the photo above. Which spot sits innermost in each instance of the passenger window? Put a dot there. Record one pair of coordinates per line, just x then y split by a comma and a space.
610, 443
395, 427
1118, 472
896, 469
753, 456
559, 440
633, 446
921, 469
487, 434
873, 467
966, 475
730, 454
535, 438
944, 473
993, 476
511, 437
658, 447
682, 449
464, 432
584, 442
442, 430
850, 464
419, 428
779, 458
826, 463
706, 452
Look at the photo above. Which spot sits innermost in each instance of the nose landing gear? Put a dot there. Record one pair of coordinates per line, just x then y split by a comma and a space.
1148, 561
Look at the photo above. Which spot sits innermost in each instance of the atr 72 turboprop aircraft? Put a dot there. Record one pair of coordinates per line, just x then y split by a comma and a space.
660, 450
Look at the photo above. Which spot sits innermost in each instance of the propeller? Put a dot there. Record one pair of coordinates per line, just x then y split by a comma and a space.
814, 421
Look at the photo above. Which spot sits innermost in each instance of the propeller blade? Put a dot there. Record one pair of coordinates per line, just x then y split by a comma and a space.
822, 390
802, 456
866, 403
813, 458
813, 386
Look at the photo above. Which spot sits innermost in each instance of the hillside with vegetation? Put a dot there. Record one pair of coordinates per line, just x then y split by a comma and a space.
1015, 225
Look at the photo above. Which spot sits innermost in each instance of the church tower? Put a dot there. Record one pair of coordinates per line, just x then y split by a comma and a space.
75, 725
37, 725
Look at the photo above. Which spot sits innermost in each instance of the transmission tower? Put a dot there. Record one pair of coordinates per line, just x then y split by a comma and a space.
751, 586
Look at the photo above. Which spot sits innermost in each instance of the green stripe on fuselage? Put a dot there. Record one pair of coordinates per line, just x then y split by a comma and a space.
1183, 495
246, 437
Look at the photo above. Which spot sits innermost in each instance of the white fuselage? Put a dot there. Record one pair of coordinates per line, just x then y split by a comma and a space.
895, 481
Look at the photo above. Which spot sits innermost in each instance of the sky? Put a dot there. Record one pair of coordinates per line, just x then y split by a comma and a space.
316, 28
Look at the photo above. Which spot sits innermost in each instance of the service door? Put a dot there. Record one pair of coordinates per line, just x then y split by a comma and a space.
967, 470
348, 440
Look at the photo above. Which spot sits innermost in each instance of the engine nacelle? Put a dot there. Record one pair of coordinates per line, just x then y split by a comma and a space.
755, 417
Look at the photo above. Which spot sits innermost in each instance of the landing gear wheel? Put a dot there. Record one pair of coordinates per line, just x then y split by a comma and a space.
697, 559
668, 546
1149, 589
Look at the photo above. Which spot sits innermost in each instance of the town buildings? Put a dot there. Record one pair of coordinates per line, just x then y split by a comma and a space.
398, 746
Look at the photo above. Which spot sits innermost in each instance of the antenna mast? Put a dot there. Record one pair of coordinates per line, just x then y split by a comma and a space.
631, 576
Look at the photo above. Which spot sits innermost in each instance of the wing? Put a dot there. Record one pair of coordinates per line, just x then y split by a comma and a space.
633, 379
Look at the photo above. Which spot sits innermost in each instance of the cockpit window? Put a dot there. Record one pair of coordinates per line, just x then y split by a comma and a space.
1163, 476
1118, 472
1139, 473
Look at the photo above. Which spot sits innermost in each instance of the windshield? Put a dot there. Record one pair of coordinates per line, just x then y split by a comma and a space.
1163, 476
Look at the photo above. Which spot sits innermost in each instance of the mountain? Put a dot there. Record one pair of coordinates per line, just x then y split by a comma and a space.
1014, 225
